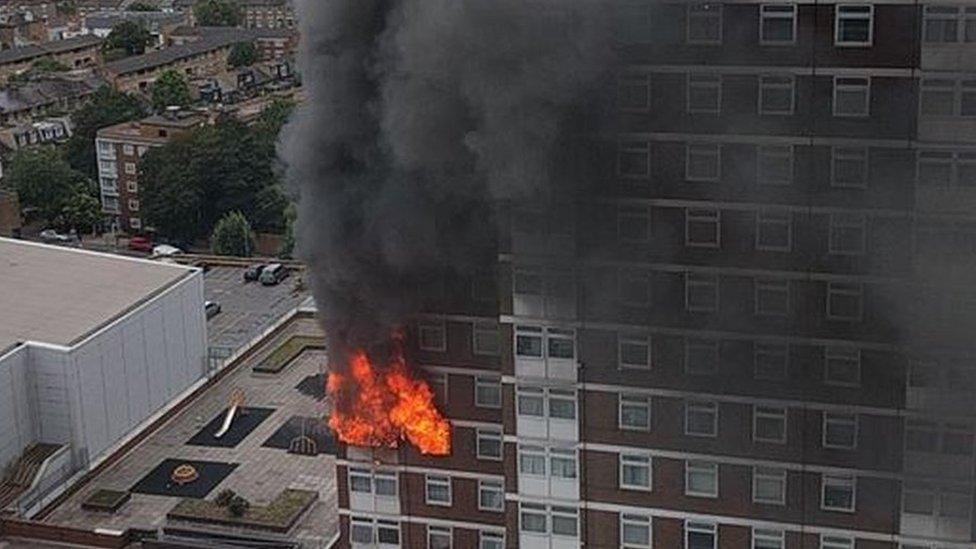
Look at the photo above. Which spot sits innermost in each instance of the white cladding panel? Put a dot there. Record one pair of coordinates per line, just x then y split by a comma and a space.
18, 427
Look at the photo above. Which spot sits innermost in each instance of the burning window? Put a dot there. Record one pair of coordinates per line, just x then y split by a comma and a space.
769, 424
769, 485
701, 418
701, 479
838, 492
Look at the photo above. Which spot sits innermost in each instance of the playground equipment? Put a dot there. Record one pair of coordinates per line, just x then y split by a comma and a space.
236, 403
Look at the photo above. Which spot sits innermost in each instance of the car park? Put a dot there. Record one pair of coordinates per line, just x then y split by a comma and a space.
211, 309
273, 274
253, 273
50, 235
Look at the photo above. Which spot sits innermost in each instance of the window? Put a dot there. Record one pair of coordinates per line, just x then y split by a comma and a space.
634, 351
946, 169
848, 234
634, 92
634, 159
703, 161
487, 392
432, 336
531, 401
838, 493
853, 25
491, 495
703, 228
131, 186
701, 418
438, 537
107, 168
532, 460
489, 444
767, 539
558, 344
360, 481
849, 167
130, 168
774, 164
774, 230
633, 224
438, 490
635, 471
701, 356
485, 339
491, 540
105, 148
769, 485
844, 301
839, 430
701, 293
939, 97
133, 205
128, 150
361, 530
562, 404
769, 424
949, 24
836, 542
385, 484
635, 531
772, 297
704, 23
777, 24
701, 479
700, 535
634, 412
369, 531
776, 95
704, 93
770, 360
562, 463
141, 150
564, 521
918, 500
842, 366
633, 288
852, 96
135, 223
533, 518
528, 340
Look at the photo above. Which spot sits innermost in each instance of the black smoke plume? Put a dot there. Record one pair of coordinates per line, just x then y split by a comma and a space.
421, 116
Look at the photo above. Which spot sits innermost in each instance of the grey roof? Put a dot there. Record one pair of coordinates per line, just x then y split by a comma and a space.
166, 56
236, 33
25, 53
152, 19
61, 295
18, 97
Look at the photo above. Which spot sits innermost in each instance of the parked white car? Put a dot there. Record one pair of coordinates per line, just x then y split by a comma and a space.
165, 250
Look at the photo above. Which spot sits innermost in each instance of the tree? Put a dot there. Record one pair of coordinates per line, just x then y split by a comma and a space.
232, 236
47, 184
242, 54
106, 107
129, 37
81, 210
217, 13
170, 89
142, 6
170, 193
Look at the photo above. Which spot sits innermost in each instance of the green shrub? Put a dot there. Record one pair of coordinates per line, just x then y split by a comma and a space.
238, 506
225, 497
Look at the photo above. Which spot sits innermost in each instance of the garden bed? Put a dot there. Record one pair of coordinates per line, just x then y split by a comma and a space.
107, 501
278, 516
287, 352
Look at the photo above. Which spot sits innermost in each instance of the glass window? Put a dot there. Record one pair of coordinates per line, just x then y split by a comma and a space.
703, 161
633, 287
839, 430
491, 540
704, 23
634, 92
702, 356
844, 301
438, 537
774, 230
775, 164
432, 336
533, 518
701, 478
704, 93
562, 404
489, 444
532, 461
941, 24
491, 495
635, 531
770, 360
852, 96
635, 471
562, 463
130, 168
385, 483
362, 530
853, 25
701, 293
360, 481
849, 167
842, 366
564, 521
918, 500
777, 24
561, 343
633, 224
487, 392
528, 341
635, 412
836, 542
938, 97
388, 532
438, 490
634, 351
769, 424
634, 159
772, 297
703, 228
701, 418
838, 493
767, 539
531, 401
769, 485
776, 95
848, 234
486, 339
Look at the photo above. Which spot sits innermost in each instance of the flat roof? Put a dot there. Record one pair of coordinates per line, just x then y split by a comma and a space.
60, 295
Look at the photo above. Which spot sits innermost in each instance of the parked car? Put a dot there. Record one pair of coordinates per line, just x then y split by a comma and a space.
165, 250
141, 244
50, 235
211, 309
253, 273
273, 274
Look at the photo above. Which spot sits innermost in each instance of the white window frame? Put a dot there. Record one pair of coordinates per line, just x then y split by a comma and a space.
133, 205
701, 467
635, 460
436, 326
847, 354
781, 218
481, 433
770, 349
699, 10
703, 81
489, 329
851, 481
128, 149
438, 481
840, 221
709, 151
846, 84
636, 340
839, 154
954, 161
131, 186
702, 407
776, 11
774, 82
700, 527
442, 531
564, 512
633, 400
774, 151
526, 508
772, 285
495, 486
135, 223
836, 542
834, 418
848, 290
947, 13
699, 280
769, 413
129, 168
766, 536
485, 382
491, 540
640, 521
634, 147
634, 80
704, 216
839, 16
771, 474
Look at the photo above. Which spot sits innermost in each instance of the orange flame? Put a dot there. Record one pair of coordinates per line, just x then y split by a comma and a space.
382, 407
